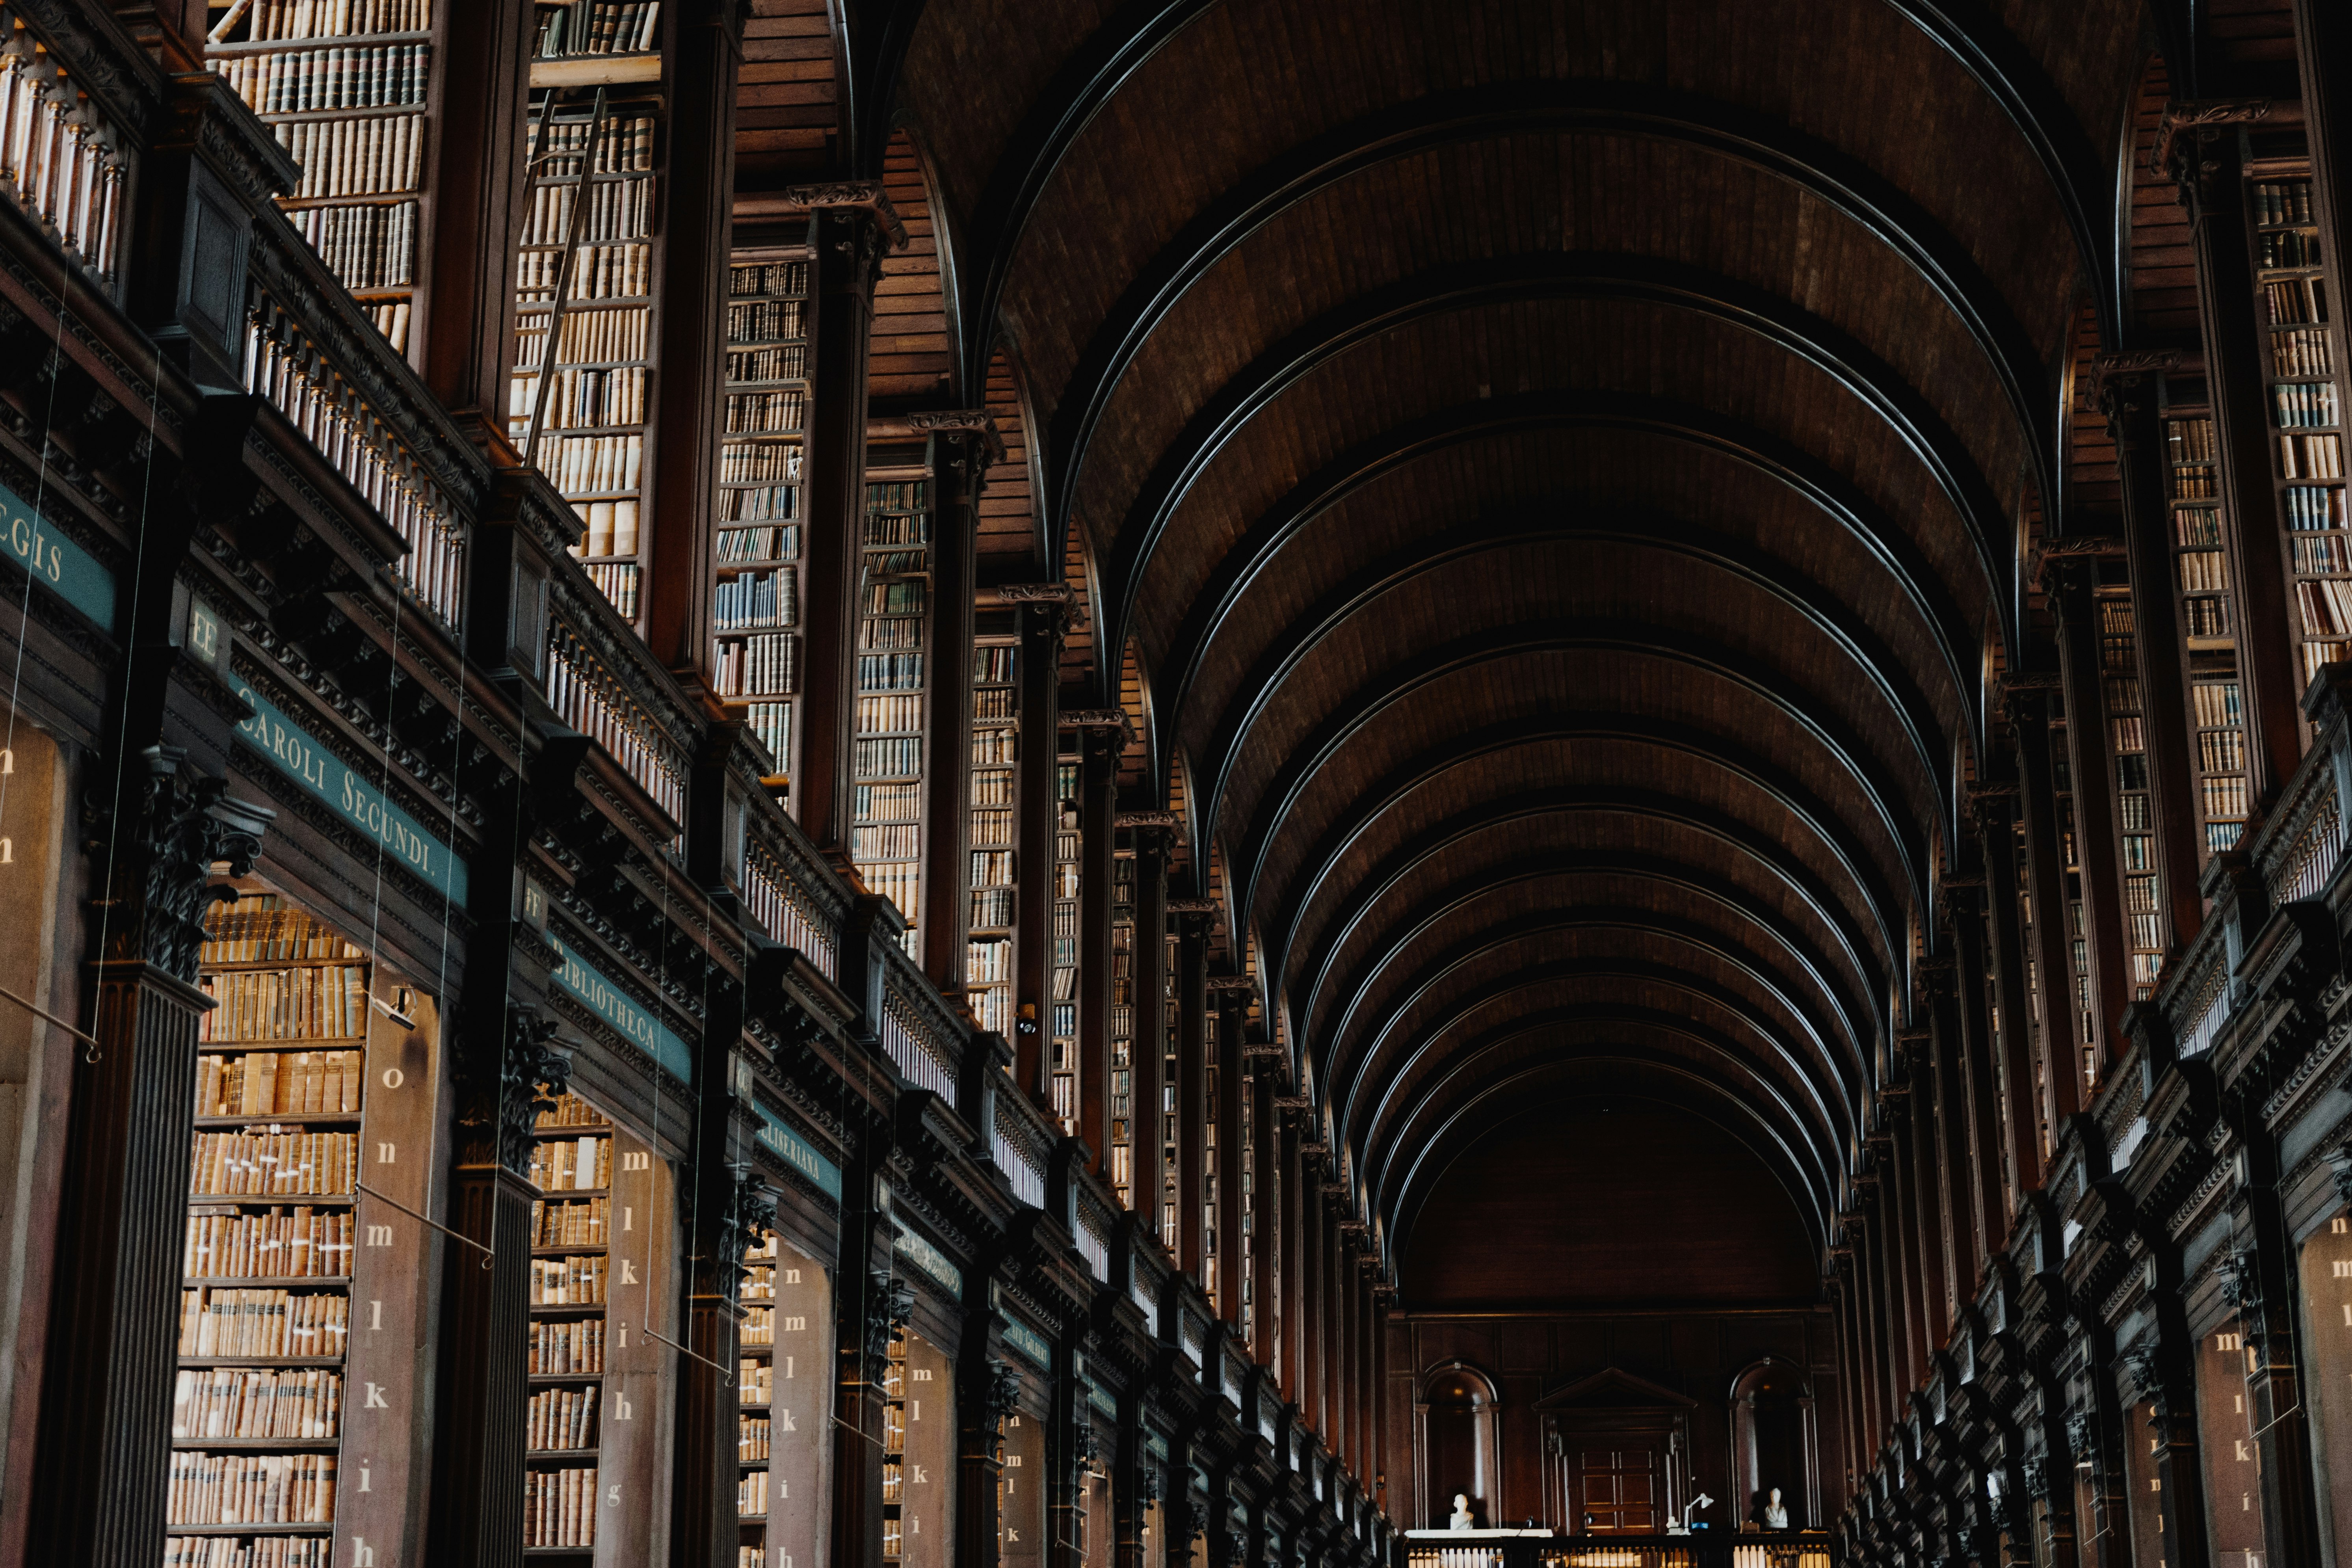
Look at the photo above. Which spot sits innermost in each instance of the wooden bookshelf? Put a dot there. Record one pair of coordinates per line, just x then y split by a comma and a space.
572, 1278
2299, 363
586, 278
2208, 624
348, 89
1062, 971
267, 1303
996, 834
756, 546
894, 629
893, 1452
1121, 1023
2121, 696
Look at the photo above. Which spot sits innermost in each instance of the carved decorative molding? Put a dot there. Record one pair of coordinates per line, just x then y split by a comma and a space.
2194, 118
852, 195
156, 855
1168, 819
752, 1210
1031, 593
2137, 362
889, 1308
1092, 718
1001, 1401
963, 421
1192, 906
1233, 983
530, 1062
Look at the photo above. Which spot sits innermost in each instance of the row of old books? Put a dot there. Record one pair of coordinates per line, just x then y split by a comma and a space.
755, 1382
599, 28
274, 1164
617, 581
562, 1418
889, 672
598, 273
592, 465
886, 841
612, 527
888, 715
890, 757
2301, 351
751, 278
259, 1083
261, 928
567, 1281
765, 320
559, 1508
779, 543
584, 399
2312, 507
369, 246
377, 155
758, 462
785, 361
771, 724
251, 1489
314, 1002
262, 1551
766, 664
752, 1495
577, 1223
2281, 201
764, 413
625, 146
307, 81
269, 20
246, 1402
2321, 554
566, 1347
756, 599
618, 209
2311, 456
298, 1242
600, 336
572, 1164
750, 1439
2295, 302
263, 1323
2304, 405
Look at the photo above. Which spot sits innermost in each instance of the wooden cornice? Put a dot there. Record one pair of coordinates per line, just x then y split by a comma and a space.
836, 195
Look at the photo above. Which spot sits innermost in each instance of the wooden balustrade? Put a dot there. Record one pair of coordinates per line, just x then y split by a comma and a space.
62, 157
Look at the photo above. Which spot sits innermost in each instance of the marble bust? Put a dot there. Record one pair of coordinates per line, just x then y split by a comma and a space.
1775, 1516
1460, 1519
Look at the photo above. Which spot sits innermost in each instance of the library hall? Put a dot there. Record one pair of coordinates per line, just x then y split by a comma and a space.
1175, 783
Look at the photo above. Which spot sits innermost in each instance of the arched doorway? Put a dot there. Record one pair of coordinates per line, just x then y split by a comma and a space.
1458, 1438
1772, 1445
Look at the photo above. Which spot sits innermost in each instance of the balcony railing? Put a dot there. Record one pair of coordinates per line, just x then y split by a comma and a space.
285, 366
61, 157
918, 1034
1703, 1549
600, 704
2298, 848
784, 908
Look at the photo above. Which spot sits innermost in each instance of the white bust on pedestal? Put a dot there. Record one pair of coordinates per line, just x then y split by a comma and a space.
1775, 1516
1460, 1519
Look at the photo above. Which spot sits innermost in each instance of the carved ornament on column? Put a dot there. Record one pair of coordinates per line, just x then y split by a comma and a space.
508, 1110
1185, 1522
1003, 1400
840, 195
156, 855
2119, 383
2183, 131
889, 1308
1146, 1483
2151, 1383
975, 422
752, 1209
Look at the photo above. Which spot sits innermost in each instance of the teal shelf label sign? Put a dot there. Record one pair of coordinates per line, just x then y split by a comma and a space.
56, 562
304, 758
1029, 1342
799, 1153
930, 1260
618, 1008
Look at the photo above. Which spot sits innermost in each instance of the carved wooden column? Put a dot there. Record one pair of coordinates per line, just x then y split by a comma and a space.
988, 1390
1290, 1228
2128, 385
102, 1459
2068, 580
1996, 815
964, 443
2261, 1280
2157, 1374
870, 1309
1191, 917
1044, 609
1231, 999
705, 53
850, 225
1134, 1487
2199, 143
1931, 1223
1964, 1228
461, 328
1968, 1054
481, 1387
1146, 1126
1266, 1224
1315, 1280
1101, 733
731, 1205
2037, 796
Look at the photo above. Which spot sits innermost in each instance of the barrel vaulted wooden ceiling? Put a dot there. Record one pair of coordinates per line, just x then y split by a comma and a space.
1562, 475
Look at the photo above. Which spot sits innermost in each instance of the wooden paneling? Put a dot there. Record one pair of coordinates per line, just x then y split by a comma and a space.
1625, 1203
787, 100
913, 362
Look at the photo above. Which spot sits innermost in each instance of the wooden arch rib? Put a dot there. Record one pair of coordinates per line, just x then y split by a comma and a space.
1355, 713
1367, 886
1392, 1193
1880, 671
1093, 74
1633, 110
1389, 1134
1329, 1043
1390, 1059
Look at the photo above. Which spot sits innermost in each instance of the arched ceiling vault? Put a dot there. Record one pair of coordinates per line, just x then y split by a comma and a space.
1553, 471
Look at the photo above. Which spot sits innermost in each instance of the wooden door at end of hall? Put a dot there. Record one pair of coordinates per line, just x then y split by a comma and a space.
1616, 1491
